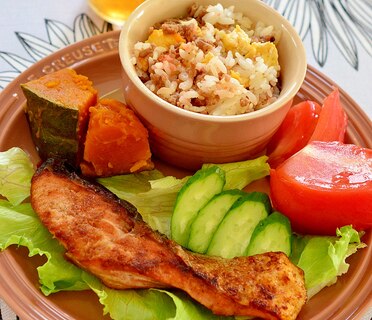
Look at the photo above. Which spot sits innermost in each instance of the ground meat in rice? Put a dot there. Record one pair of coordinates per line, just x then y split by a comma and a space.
215, 61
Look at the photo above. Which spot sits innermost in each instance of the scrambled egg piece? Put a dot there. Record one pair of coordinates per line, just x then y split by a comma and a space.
235, 41
239, 41
158, 38
199, 32
244, 81
208, 57
267, 51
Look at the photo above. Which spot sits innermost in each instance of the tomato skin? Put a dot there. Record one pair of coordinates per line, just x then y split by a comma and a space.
294, 132
332, 121
306, 122
325, 186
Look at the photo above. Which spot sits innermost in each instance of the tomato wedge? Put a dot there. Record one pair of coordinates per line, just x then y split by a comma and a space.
325, 186
332, 121
294, 132
306, 122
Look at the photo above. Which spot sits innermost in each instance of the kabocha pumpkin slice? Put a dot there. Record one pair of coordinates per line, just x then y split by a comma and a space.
116, 141
57, 110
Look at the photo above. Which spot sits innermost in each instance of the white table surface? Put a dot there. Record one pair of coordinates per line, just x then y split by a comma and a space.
337, 36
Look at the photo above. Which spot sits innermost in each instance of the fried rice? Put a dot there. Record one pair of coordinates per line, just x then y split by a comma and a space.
214, 61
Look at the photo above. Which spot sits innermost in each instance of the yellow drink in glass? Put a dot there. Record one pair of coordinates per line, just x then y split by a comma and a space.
114, 11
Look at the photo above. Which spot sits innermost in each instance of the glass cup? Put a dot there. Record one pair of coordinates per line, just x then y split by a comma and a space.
114, 11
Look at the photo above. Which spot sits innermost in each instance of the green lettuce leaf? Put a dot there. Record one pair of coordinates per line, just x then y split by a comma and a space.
323, 259
154, 196
16, 171
151, 304
187, 309
20, 225
132, 304
134, 183
154, 199
240, 174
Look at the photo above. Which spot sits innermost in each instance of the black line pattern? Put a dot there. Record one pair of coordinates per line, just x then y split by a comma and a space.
59, 36
6, 313
346, 22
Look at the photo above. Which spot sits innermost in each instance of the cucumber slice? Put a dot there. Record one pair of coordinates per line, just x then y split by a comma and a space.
271, 234
209, 217
194, 195
232, 236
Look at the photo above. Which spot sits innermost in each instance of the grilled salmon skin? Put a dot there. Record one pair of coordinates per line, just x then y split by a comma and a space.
107, 237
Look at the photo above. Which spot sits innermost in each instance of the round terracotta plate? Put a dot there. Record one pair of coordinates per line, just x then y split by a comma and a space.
98, 59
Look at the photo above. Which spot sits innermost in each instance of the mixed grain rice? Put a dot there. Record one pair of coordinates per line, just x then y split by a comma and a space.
215, 61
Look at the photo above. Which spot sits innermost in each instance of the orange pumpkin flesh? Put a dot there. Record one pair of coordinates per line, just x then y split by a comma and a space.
116, 141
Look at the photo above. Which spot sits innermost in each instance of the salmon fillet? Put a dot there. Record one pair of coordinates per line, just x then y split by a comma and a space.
107, 237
